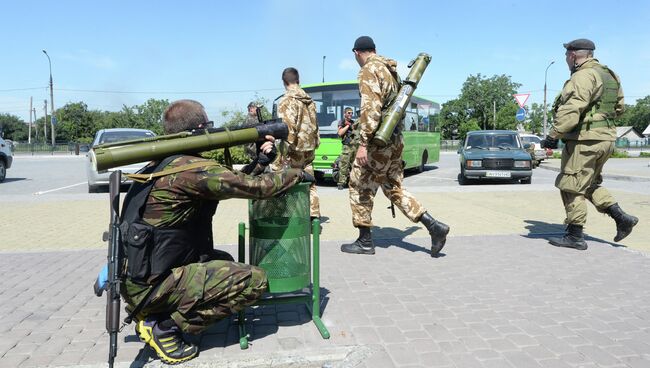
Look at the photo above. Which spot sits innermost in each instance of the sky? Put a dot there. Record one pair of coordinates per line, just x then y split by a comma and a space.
225, 53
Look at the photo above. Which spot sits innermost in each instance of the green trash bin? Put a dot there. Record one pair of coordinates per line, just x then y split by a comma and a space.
279, 239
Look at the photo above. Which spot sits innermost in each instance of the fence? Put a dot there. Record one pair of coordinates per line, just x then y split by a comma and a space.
449, 144
44, 148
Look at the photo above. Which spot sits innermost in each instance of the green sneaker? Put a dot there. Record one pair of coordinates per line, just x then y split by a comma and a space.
168, 344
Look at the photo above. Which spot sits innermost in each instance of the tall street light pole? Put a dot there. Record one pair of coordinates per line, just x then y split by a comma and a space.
323, 68
545, 117
51, 98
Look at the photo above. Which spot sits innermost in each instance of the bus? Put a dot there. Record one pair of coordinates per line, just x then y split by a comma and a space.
421, 140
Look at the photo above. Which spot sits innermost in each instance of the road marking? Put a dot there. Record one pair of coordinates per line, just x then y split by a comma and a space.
54, 190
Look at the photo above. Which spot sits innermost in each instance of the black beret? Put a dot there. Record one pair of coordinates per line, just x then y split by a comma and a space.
580, 44
364, 43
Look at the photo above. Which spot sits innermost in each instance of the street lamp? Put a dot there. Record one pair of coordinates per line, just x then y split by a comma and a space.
545, 72
323, 68
51, 98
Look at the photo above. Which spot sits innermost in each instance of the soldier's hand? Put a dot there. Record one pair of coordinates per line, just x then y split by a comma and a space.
362, 156
307, 177
267, 152
549, 142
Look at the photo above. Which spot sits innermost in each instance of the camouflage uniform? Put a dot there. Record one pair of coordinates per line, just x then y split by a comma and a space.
350, 142
197, 295
589, 133
378, 86
298, 111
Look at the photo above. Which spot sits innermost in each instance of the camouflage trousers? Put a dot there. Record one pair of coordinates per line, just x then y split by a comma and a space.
198, 295
384, 169
348, 153
580, 178
301, 160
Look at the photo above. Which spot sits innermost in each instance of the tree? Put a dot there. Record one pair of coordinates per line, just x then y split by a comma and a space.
236, 118
12, 127
467, 126
75, 122
506, 117
482, 95
637, 115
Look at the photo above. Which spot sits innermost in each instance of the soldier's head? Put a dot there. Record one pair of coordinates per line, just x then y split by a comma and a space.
290, 77
252, 108
577, 51
183, 115
363, 47
347, 113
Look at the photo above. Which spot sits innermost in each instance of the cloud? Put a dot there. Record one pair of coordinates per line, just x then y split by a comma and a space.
349, 64
89, 58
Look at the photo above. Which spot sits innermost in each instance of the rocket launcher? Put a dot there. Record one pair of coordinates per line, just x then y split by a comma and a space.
107, 156
395, 112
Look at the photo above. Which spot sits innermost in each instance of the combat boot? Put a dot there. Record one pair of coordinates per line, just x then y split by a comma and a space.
167, 341
363, 244
573, 238
438, 232
624, 222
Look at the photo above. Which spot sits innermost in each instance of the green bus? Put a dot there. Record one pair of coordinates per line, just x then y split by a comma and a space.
421, 141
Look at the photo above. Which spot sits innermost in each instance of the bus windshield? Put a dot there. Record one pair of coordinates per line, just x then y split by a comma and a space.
330, 106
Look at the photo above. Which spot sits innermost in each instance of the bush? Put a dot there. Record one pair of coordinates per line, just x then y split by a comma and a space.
557, 154
237, 153
644, 154
619, 154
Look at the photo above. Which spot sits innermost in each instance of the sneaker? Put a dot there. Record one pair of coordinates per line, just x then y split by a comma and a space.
168, 344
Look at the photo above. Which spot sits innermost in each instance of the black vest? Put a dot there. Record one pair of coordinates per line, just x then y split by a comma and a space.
152, 252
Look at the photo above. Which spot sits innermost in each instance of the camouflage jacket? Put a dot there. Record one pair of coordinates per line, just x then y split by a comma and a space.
351, 135
175, 198
298, 111
572, 105
377, 86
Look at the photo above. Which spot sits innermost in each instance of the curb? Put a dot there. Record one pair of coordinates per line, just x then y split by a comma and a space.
606, 176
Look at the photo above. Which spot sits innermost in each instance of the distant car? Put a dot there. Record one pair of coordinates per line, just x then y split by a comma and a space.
494, 154
6, 158
99, 180
540, 154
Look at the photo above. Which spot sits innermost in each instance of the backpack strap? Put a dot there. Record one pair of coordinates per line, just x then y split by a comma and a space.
146, 177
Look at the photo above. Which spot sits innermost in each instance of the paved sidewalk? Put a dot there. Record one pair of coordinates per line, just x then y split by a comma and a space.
630, 169
490, 301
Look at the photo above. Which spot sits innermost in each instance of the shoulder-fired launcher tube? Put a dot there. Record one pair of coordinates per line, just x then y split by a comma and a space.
395, 111
106, 157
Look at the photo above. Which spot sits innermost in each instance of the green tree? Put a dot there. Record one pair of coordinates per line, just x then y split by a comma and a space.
12, 127
506, 117
467, 126
75, 122
637, 115
452, 114
236, 118
482, 95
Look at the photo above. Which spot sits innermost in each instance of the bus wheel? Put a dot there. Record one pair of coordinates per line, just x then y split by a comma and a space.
425, 157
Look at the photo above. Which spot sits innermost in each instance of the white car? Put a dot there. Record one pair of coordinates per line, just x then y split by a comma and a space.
99, 180
540, 153
6, 158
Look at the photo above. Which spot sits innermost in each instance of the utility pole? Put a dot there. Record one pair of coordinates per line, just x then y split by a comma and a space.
45, 122
545, 129
35, 124
323, 68
494, 115
29, 134
52, 117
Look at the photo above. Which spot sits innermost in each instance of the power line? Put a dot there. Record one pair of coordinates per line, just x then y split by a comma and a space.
21, 89
169, 92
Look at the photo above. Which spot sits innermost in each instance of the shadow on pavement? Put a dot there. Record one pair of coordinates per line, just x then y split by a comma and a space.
544, 230
9, 180
385, 237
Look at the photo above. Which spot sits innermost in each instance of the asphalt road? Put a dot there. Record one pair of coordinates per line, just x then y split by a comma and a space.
56, 176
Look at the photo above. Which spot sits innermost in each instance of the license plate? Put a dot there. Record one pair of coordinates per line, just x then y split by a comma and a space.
497, 174
327, 171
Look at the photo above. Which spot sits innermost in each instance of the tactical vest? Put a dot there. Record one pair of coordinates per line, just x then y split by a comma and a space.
152, 252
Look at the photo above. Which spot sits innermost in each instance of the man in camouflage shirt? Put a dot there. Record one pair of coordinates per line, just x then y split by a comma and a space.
376, 166
298, 111
584, 115
348, 131
171, 261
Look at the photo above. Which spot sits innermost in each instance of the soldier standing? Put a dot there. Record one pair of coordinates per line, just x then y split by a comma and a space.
251, 120
376, 166
584, 115
298, 111
174, 278
348, 131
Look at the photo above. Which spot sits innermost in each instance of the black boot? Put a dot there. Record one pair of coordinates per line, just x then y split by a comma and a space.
438, 232
624, 222
573, 238
363, 245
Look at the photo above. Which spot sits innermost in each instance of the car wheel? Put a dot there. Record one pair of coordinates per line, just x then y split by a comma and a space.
527, 180
462, 180
3, 171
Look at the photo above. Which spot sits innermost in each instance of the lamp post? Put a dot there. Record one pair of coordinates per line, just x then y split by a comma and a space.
52, 119
545, 72
323, 68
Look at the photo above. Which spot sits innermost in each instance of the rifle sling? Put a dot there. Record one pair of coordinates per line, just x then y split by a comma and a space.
143, 178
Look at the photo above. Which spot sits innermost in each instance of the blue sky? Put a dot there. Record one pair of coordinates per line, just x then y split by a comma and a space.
222, 54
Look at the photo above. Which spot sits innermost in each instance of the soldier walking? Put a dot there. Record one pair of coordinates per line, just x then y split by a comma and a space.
376, 166
584, 115
348, 131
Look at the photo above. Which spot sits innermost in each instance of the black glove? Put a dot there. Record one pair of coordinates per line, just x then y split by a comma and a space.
549, 142
265, 159
307, 177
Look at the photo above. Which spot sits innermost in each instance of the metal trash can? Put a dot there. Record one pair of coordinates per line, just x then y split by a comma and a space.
279, 239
